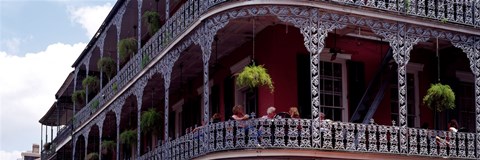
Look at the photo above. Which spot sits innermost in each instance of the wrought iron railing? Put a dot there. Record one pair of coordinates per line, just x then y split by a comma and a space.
465, 12
308, 134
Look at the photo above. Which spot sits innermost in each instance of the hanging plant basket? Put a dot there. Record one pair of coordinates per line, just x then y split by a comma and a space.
439, 97
127, 48
108, 146
108, 66
92, 83
78, 97
149, 120
128, 137
153, 21
92, 156
255, 76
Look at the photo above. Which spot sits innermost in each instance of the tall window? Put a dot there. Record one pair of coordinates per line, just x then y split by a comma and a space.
466, 105
411, 107
331, 101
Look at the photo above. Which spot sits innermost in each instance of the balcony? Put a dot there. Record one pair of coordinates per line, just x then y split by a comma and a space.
261, 135
466, 13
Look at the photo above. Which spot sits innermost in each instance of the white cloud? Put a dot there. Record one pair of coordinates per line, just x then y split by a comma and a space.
13, 45
28, 86
90, 17
14, 155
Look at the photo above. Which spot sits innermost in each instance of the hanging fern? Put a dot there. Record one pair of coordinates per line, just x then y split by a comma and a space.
150, 120
127, 47
78, 97
439, 97
108, 145
153, 21
108, 66
254, 76
92, 156
92, 83
128, 137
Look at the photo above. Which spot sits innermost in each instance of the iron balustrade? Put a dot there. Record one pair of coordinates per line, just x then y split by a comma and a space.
466, 12
299, 134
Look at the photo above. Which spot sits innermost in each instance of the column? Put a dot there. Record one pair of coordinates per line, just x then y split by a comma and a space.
74, 144
139, 88
85, 136
401, 43
314, 32
41, 137
204, 37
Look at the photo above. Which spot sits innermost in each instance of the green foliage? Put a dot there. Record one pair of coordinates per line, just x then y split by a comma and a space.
145, 60
153, 21
128, 137
150, 120
95, 104
108, 66
127, 47
115, 86
444, 20
92, 83
254, 76
439, 97
92, 156
108, 145
78, 97
165, 39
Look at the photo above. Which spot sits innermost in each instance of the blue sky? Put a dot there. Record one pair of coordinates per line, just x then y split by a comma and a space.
30, 25
39, 41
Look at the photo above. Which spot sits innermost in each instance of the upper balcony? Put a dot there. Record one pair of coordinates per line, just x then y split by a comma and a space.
463, 16
464, 13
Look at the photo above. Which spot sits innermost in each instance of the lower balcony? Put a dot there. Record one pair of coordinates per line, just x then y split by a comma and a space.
313, 139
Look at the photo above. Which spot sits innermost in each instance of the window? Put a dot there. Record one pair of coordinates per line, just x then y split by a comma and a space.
332, 85
465, 96
331, 90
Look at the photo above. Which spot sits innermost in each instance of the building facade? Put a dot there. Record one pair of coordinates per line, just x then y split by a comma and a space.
364, 64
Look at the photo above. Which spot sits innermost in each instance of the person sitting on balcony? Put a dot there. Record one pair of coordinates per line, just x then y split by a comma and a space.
293, 112
216, 118
453, 126
238, 113
270, 113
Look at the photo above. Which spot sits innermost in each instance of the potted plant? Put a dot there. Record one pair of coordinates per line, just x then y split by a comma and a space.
149, 120
108, 146
254, 76
439, 97
127, 48
108, 66
153, 21
78, 97
129, 137
92, 156
92, 83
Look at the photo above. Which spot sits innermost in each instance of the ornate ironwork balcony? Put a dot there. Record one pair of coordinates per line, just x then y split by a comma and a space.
314, 135
462, 12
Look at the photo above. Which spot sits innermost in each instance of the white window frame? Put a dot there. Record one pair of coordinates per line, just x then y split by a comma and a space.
414, 68
239, 91
178, 108
325, 56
